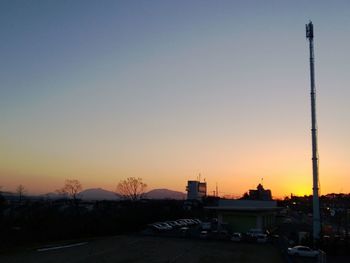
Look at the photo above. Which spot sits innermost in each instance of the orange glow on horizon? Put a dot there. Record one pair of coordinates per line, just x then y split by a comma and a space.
284, 172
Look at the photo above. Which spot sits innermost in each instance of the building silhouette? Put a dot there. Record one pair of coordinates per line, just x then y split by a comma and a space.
196, 190
260, 194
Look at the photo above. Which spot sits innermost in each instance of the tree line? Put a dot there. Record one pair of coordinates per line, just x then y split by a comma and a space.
131, 188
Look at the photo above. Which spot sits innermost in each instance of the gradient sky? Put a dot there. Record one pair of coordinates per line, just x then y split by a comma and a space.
164, 90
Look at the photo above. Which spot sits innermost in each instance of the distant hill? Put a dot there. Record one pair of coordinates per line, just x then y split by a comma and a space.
6, 193
53, 196
165, 194
98, 194
9, 195
102, 194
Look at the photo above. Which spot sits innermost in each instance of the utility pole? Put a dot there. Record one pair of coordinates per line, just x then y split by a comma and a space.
316, 202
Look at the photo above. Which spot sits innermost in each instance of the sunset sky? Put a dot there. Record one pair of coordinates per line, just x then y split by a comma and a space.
164, 90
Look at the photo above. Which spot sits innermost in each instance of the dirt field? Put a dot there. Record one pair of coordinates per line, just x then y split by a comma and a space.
146, 249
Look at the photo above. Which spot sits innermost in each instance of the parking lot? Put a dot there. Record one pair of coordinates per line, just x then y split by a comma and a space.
140, 248
195, 228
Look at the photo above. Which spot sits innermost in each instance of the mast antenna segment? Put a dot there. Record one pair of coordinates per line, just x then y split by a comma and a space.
316, 203
309, 30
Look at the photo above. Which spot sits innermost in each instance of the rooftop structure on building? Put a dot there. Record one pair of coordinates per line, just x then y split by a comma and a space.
259, 194
196, 190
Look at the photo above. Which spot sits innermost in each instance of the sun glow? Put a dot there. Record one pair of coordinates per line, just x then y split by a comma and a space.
302, 190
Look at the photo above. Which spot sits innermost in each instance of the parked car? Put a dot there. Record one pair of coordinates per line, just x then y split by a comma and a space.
220, 235
158, 227
154, 227
236, 237
184, 229
302, 251
174, 224
182, 222
193, 221
254, 232
197, 220
166, 225
261, 238
189, 221
206, 225
287, 220
203, 234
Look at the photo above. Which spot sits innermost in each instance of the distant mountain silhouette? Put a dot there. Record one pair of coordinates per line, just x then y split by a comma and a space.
98, 194
165, 194
102, 194
53, 195
9, 195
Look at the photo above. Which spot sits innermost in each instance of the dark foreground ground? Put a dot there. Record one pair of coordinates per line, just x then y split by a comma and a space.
146, 249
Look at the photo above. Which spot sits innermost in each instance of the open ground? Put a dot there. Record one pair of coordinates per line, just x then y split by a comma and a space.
146, 249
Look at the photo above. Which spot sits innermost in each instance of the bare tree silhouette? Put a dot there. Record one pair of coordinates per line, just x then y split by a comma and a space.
20, 190
131, 188
71, 189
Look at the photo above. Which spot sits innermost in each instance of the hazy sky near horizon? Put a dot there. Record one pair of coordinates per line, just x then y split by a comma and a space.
164, 90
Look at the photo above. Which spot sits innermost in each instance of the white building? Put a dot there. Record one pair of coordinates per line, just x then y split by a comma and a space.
243, 215
196, 190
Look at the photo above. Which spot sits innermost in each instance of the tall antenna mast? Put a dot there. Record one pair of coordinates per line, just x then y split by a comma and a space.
316, 203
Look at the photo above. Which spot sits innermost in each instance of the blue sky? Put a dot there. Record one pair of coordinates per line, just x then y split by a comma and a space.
102, 90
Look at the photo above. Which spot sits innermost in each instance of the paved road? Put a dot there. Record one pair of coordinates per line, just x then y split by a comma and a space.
147, 249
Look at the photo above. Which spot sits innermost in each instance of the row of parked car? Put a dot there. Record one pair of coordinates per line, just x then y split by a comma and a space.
250, 236
254, 235
179, 223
